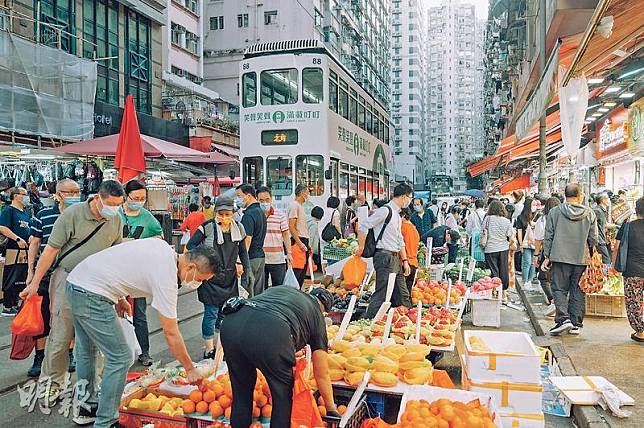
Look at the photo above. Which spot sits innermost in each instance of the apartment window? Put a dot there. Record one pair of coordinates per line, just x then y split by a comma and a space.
216, 22
319, 18
192, 43
411, 73
270, 17
100, 31
411, 108
279, 86
411, 97
411, 39
138, 60
411, 27
412, 61
60, 14
312, 86
411, 120
242, 20
193, 6
412, 85
176, 31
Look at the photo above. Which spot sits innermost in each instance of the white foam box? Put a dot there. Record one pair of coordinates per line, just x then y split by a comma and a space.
518, 420
512, 357
520, 398
486, 313
586, 390
433, 393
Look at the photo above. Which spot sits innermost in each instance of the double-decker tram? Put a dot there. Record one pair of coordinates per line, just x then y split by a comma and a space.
305, 120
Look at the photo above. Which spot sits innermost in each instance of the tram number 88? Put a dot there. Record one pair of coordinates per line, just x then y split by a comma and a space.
317, 61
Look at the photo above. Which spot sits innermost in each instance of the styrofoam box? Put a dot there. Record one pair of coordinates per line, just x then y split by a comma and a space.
486, 313
432, 393
510, 397
523, 421
512, 357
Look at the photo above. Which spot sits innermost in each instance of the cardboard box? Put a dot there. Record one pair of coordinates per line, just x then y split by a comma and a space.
138, 418
586, 390
512, 357
510, 397
518, 420
554, 402
432, 393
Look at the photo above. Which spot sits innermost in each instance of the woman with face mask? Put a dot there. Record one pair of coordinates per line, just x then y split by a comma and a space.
226, 235
139, 223
525, 225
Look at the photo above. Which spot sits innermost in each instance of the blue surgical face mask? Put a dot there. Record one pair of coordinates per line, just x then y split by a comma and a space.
265, 206
108, 211
135, 206
239, 202
71, 200
418, 208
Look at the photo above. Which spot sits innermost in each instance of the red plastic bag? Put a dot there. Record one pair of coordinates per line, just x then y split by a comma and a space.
299, 257
21, 346
304, 412
353, 272
29, 321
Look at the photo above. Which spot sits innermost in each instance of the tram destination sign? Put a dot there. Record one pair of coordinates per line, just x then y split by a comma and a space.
279, 116
354, 143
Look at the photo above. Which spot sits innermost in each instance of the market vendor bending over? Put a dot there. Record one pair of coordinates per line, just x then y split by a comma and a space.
264, 333
96, 291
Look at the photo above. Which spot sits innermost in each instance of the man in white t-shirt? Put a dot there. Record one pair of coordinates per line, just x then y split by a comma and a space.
96, 291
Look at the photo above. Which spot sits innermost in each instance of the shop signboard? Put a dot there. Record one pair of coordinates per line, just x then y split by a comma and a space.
612, 134
636, 128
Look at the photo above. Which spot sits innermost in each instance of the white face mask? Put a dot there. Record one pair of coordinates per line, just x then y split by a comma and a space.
191, 285
534, 208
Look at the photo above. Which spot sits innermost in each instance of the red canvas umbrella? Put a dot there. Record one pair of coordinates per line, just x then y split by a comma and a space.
129, 161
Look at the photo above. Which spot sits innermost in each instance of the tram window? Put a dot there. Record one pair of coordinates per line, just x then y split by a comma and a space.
353, 107
310, 172
370, 194
312, 87
279, 86
353, 185
382, 130
333, 95
369, 119
249, 89
362, 186
343, 185
253, 170
279, 175
386, 139
377, 192
361, 120
376, 125
343, 108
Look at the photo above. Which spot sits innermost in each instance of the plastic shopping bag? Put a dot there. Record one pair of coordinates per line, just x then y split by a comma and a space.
130, 337
299, 257
477, 250
290, 280
29, 321
305, 412
353, 272
185, 238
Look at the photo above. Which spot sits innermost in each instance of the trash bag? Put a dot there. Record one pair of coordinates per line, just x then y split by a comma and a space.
353, 272
290, 279
130, 337
304, 412
29, 321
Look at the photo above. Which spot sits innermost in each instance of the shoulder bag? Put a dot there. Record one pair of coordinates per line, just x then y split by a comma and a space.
371, 241
329, 233
622, 251
484, 233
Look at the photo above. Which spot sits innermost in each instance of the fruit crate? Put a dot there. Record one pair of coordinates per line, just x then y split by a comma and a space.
335, 254
603, 305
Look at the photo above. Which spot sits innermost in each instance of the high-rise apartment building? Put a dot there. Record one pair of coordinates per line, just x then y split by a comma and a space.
356, 32
455, 90
408, 89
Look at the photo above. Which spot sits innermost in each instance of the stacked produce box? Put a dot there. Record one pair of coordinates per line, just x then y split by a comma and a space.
506, 366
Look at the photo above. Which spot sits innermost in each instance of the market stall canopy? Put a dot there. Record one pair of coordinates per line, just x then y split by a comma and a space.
483, 165
152, 148
210, 158
521, 182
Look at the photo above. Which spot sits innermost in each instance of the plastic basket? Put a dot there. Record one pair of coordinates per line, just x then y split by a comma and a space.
361, 413
602, 305
332, 253
436, 272
486, 313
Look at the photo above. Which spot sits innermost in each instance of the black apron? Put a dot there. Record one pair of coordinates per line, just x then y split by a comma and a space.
223, 285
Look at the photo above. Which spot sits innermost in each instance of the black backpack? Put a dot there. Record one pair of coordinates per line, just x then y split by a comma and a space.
329, 233
371, 241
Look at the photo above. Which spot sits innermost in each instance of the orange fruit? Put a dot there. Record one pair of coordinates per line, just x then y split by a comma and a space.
196, 396
209, 396
261, 400
256, 412
266, 390
341, 409
225, 401
188, 406
322, 410
217, 388
227, 412
215, 409
228, 390
320, 401
203, 387
201, 407
267, 410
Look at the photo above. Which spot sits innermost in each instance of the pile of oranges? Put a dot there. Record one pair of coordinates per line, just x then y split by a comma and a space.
435, 293
446, 413
341, 408
216, 398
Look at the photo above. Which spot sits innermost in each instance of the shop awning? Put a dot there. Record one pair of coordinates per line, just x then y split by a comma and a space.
533, 145
521, 182
152, 148
227, 150
215, 158
483, 165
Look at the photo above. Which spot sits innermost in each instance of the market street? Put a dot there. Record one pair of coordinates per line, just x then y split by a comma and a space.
190, 324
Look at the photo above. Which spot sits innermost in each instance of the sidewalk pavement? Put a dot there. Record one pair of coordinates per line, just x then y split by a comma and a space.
604, 348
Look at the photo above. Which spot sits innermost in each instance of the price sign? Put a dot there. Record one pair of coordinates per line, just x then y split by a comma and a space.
470, 270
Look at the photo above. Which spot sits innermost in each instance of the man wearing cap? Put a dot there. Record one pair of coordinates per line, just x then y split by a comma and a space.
289, 320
